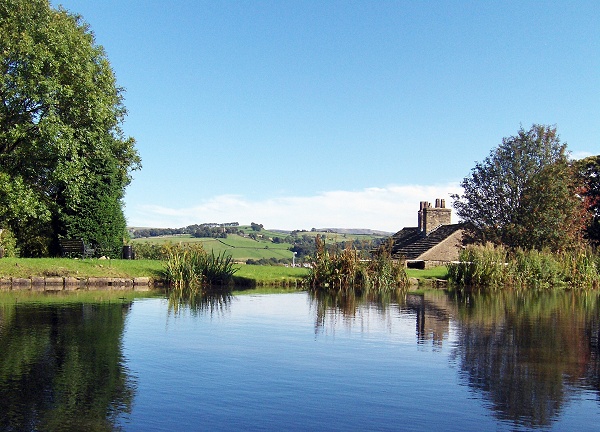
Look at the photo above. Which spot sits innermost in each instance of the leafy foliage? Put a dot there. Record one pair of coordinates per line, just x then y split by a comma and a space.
63, 156
524, 194
588, 170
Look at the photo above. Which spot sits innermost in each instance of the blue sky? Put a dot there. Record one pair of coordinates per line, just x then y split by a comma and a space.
301, 114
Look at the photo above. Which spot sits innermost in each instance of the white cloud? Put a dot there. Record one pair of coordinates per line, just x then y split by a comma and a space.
580, 155
387, 208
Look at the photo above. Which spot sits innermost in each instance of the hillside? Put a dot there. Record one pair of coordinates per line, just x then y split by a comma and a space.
275, 245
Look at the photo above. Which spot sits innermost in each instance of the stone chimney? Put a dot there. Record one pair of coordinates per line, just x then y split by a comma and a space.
431, 218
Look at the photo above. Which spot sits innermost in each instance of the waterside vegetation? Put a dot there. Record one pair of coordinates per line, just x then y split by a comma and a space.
246, 275
193, 266
499, 266
343, 270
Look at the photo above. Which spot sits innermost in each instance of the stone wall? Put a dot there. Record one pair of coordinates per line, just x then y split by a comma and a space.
74, 284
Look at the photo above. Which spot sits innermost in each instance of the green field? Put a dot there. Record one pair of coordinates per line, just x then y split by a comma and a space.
242, 248
271, 275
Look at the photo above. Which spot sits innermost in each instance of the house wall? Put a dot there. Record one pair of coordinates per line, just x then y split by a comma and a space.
446, 251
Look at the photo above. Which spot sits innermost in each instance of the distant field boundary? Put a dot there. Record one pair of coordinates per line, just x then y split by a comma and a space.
250, 247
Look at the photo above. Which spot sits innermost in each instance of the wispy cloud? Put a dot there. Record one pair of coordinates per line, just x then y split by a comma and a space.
580, 155
387, 208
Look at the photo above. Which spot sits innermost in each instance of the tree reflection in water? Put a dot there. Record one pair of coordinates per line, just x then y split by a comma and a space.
527, 352
62, 368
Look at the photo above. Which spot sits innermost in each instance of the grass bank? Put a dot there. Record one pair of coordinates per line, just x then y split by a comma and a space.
255, 275
247, 275
440, 272
89, 267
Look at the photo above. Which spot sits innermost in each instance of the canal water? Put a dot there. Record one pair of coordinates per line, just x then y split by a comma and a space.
296, 362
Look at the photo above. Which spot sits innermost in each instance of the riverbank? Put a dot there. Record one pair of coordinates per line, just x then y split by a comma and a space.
52, 273
72, 274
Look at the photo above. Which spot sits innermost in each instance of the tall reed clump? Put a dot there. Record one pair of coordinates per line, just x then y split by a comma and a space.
344, 270
478, 265
496, 266
191, 265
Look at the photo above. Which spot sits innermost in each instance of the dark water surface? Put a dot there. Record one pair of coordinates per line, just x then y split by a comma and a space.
503, 361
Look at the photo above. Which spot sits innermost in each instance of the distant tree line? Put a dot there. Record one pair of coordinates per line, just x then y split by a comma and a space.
208, 230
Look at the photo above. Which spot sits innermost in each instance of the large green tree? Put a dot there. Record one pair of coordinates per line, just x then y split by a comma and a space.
524, 194
64, 160
588, 170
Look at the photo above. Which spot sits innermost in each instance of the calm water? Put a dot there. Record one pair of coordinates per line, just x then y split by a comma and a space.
508, 361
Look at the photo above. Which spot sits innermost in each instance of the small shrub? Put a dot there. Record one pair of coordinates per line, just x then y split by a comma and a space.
8, 243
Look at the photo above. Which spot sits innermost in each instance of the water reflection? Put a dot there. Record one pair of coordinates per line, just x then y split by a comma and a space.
527, 355
431, 312
348, 304
527, 352
199, 300
61, 368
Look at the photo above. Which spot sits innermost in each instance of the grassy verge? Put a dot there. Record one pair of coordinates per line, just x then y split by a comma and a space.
440, 272
63, 267
254, 275
248, 275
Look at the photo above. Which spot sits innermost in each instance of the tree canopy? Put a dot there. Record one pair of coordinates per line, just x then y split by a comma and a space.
588, 170
524, 194
64, 159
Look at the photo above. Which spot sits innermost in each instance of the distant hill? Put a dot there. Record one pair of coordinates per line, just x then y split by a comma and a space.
356, 231
350, 231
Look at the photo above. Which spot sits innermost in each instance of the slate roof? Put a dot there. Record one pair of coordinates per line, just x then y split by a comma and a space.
411, 243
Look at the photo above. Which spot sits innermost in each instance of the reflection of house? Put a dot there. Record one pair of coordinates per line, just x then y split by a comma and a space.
433, 242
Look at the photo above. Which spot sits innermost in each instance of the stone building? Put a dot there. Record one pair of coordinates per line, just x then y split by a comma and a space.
434, 241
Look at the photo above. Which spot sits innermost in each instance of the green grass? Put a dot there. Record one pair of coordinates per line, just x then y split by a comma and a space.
269, 275
240, 248
63, 267
244, 248
90, 267
440, 272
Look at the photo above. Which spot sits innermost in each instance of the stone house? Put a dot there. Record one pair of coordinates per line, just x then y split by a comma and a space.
434, 241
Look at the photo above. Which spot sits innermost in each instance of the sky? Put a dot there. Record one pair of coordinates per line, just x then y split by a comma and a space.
336, 114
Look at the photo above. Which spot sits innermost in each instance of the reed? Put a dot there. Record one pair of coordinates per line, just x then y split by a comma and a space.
497, 266
343, 270
479, 266
191, 265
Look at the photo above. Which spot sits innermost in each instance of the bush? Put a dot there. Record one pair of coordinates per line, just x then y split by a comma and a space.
8, 243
